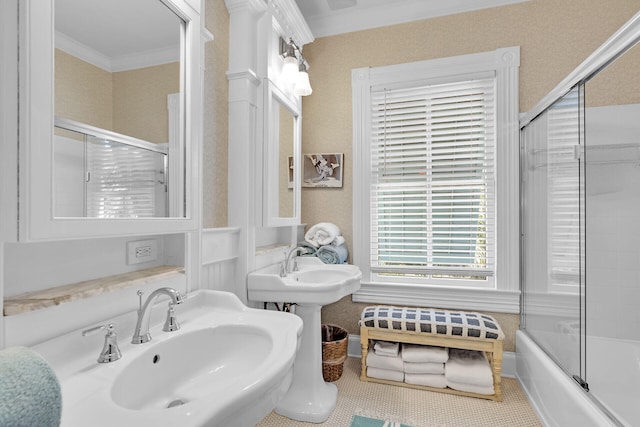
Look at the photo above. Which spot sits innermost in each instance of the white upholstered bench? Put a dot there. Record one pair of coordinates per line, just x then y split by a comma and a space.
441, 328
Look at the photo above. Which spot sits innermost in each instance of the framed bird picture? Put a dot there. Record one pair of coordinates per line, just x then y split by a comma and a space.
322, 170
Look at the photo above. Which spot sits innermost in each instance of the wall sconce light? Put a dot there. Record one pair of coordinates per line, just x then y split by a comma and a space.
294, 68
303, 87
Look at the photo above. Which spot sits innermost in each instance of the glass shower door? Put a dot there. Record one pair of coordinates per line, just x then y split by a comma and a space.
552, 164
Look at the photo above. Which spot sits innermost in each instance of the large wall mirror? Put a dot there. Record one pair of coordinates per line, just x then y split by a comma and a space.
117, 64
111, 116
282, 158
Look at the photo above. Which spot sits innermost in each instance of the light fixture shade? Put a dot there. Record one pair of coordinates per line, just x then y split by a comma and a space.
290, 69
303, 87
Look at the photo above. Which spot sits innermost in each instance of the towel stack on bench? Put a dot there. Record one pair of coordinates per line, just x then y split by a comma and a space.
439, 367
452, 351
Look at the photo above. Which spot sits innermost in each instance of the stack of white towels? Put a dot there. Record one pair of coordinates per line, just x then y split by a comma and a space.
469, 370
437, 367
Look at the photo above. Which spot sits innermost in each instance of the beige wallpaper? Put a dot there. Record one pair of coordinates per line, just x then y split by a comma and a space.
140, 101
216, 115
554, 37
131, 102
82, 91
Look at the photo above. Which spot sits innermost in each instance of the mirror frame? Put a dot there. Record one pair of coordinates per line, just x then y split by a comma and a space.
274, 98
35, 207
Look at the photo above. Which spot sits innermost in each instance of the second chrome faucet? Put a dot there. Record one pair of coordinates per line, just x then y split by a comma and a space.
141, 333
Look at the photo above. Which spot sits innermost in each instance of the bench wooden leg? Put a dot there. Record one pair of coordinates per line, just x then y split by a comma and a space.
496, 366
364, 347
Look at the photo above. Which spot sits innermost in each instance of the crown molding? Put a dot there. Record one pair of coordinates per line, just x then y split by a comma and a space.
291, 21
119, 63
392, 13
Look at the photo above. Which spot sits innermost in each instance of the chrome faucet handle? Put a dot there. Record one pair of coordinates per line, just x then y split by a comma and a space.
110, 350
141, 332
140, 293
171, 324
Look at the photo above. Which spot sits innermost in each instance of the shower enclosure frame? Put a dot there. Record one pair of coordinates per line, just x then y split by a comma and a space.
618, 44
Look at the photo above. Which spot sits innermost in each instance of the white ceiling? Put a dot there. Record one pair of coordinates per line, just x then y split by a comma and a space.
124, 34
330, 17
118, 34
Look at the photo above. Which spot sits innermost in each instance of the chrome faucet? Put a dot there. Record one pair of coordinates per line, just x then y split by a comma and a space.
141, 333
292, 254
110, 351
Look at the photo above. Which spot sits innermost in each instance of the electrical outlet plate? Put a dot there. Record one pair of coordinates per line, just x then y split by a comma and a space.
140, 251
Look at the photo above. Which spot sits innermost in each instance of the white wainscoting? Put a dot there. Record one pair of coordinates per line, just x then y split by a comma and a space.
219, 257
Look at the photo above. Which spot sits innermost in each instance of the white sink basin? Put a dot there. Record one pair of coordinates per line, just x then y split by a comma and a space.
186, 367
314, 283
228, 365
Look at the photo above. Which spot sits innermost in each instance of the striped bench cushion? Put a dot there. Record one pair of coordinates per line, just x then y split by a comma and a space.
432, 321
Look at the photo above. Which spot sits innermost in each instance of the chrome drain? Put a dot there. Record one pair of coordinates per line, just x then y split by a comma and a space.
175, 403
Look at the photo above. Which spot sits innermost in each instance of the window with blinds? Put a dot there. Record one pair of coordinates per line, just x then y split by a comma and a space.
432, 197
123, 181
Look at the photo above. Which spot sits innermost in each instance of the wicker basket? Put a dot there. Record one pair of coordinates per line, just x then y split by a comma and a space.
334, 351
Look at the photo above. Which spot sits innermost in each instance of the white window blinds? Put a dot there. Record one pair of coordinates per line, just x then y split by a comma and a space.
123, 181
563, 189
433, 180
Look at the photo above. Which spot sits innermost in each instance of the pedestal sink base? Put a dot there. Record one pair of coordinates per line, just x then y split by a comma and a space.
309, 398
311, 406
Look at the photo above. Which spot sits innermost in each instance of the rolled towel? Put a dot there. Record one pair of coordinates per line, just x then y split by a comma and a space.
471, 388
339, 240
331, 254
415, 353
430, 380
384, 362
468, 367
311, 250
386, 348
423, 368
322, 233
29, 390
385, 374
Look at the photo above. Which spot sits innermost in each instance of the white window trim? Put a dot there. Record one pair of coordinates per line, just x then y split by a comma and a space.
505, 298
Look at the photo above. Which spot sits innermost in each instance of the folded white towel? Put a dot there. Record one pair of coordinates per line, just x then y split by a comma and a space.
385, 374
430, 380
423, 368
384, 362
323, 233
416, 353
386, 348
468, 367
471, 388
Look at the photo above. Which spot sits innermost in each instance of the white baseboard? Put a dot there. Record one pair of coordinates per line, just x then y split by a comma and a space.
508, 357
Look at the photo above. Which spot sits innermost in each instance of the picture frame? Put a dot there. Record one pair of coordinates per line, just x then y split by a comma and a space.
323, 170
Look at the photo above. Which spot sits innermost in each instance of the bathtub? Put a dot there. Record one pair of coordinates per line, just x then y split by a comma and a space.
558, 399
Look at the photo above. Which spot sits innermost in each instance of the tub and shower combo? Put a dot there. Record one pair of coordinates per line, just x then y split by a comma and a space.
578, 350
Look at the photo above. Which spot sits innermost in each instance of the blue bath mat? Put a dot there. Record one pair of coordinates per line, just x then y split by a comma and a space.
360, 421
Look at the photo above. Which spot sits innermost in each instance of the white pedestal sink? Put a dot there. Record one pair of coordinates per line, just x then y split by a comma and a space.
309, 398
227, 366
